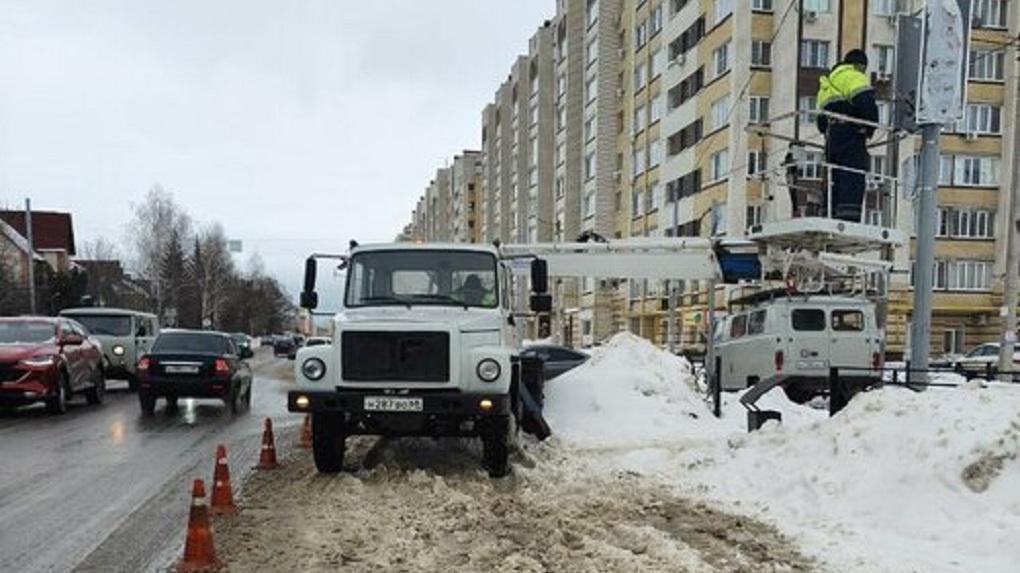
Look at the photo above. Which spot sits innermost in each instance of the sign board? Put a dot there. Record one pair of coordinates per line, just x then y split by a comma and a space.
941, 95
235, 246
907, 72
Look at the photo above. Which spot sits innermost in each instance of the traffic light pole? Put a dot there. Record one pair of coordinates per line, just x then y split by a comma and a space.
924, 258
1011, 270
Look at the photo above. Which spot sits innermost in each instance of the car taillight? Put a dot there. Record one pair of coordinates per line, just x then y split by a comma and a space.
221, 366
143, 364
779, 360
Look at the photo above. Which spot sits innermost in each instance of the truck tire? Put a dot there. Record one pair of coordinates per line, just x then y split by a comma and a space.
329, 442
496, 445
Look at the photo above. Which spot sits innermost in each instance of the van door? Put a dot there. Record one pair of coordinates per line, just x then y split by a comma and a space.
808, 344
853, 341
145, 334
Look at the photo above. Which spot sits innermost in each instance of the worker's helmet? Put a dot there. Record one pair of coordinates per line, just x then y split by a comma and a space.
856, 56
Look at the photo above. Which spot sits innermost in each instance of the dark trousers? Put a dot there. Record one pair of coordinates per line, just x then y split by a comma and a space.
846, 147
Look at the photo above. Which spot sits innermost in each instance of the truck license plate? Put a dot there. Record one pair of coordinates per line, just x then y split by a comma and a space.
392, 404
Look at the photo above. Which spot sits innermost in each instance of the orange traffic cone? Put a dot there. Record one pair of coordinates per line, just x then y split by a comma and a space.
199, 553
306, 432
267, 461
222, 502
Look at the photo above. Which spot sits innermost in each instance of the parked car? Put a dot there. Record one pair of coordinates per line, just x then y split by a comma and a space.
284, 345
556, 359
241, 339
982, 359
194, 364
48, 359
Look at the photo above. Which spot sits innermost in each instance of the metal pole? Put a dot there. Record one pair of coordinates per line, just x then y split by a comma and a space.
924, 258
670, 284
1011, 280
31, 254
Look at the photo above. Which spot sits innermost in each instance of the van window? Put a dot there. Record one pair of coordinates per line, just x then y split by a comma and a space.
115, 325
756, 323
848, 320
812, 319
739, 326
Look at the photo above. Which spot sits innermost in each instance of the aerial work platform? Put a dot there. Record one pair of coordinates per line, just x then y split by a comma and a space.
821, 234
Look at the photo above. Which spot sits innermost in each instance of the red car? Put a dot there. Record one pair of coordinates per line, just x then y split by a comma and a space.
47, 359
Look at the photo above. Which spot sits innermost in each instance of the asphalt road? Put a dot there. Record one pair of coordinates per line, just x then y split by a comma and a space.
106, 489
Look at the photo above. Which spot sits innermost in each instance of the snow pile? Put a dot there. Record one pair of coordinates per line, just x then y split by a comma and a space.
898, 481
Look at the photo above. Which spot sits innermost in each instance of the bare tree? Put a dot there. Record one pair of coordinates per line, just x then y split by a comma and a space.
212, 270
99, 249
155, 222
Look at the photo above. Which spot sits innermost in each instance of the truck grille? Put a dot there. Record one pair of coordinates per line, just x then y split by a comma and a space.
396, 356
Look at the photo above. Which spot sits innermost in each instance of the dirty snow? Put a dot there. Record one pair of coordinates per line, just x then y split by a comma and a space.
640, 476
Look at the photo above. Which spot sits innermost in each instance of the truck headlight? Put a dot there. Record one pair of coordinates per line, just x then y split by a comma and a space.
313, 368
488, 370
118, 350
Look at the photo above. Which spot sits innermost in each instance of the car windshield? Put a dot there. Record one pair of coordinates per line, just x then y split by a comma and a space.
199, 342
111, 325
422, 277
15, 332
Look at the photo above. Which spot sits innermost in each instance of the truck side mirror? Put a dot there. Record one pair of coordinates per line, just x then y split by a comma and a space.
541, 303
539, 276
309, 298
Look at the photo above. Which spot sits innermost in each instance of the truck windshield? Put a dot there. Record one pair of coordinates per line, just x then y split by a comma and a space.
422, 277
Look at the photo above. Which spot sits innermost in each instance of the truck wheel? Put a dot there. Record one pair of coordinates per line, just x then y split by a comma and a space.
496, 446
329, 442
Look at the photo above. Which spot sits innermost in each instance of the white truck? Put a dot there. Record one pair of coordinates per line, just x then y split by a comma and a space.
418, 350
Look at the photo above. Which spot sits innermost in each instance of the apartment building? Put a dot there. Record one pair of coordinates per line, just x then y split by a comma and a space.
630, 118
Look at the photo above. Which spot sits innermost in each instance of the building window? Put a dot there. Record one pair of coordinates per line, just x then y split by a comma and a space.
755, 162
975, 171
593, 51
720, 165
635, 203
885, 60
589, 165
759, 109
953, 340
639, 120
591, 88
658, 108
761, 5
754, 215
963, 275
812, 168
886, 7
761, 53
814, 54
589, 129
655, 153
989, 13
639, 76
820, 6
655, 20
806, 106
593, 12
639, 161
962, 222
589, 204
640, 36
986, 65
720, 113
721, 60
656, 63
720, 10
981, 118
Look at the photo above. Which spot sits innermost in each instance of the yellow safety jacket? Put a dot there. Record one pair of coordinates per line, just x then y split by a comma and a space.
844, 82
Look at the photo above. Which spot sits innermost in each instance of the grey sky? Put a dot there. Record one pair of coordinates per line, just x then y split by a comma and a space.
296, 124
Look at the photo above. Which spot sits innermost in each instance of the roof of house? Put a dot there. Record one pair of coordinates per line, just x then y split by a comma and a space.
50, 230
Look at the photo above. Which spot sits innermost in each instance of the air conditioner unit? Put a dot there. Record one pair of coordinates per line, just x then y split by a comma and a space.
810, 16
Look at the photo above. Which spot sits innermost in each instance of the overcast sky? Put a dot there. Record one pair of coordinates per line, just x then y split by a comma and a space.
296, 124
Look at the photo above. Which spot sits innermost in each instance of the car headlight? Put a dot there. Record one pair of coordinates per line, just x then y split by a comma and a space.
38, 361
488, 370
313, 368
118, 350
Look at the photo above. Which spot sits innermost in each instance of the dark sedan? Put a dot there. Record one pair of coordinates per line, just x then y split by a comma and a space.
47, 359
194, 364
556, 359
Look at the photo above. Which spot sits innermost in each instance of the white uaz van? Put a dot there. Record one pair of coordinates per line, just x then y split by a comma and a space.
125, 335
794, 339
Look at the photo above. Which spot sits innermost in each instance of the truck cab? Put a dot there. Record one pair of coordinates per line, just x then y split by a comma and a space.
424, 344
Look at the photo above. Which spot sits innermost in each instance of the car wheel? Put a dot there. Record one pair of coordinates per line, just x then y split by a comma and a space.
247, 397
496, 436
232, 400
57, 404
97, 392
132, 382
148, 402
329, 442
172, 407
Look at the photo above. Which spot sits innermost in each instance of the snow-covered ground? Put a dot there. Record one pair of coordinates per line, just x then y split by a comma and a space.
640, 476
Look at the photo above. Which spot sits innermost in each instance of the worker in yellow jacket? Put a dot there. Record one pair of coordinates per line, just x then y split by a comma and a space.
847, 90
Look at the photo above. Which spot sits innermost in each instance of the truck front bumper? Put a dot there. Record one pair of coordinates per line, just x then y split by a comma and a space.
443, 403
